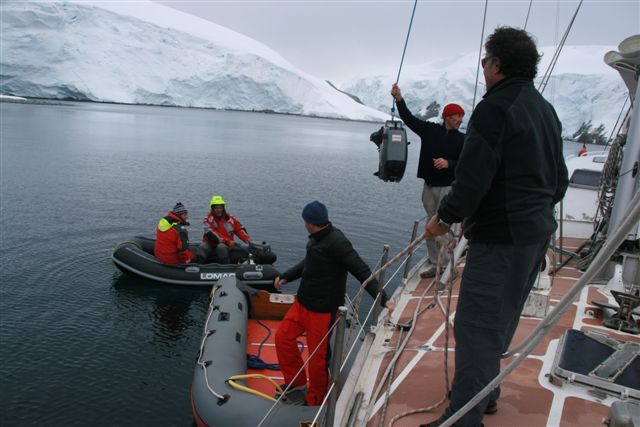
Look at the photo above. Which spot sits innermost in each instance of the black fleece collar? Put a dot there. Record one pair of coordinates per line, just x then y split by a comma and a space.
508, 81
318, 235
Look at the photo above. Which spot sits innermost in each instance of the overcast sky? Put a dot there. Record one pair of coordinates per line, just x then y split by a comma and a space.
338, 39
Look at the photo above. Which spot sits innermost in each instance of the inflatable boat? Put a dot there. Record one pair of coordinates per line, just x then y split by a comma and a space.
135, 257
240, 326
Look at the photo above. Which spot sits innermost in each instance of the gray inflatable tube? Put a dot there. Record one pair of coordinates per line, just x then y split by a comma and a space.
223, 354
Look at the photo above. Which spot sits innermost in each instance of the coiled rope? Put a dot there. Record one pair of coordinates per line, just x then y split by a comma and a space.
254, 361
606, 197
613, 130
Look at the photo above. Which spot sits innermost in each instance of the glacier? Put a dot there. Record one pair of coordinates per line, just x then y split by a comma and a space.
68, 50
146, 53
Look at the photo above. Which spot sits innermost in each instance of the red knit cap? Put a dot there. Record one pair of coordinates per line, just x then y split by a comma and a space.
451, 110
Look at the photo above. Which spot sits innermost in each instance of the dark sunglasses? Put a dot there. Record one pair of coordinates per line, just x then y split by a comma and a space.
484, 60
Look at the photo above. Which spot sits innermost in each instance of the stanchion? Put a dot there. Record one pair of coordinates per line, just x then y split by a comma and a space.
407, 266
336, 362
377, 308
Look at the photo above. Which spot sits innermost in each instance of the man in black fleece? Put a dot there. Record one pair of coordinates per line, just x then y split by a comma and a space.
330, 256
510, 175
440, 147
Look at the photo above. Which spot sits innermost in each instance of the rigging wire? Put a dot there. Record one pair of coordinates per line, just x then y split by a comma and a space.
615, 126
406, 42
364, 322
484, 21
556, 55
358, 297
526, 21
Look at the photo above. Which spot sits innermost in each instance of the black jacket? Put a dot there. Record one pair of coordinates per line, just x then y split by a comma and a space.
330, 256
436, 142
511, 171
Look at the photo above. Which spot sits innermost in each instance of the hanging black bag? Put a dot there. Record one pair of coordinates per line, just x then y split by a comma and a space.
391, 140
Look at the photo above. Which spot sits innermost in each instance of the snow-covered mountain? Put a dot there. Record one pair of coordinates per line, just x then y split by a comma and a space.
146, 53
581, 87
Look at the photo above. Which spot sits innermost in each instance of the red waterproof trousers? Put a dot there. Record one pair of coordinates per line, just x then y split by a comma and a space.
297, 321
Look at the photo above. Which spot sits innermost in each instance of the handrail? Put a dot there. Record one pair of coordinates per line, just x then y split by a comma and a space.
358, 297
366, 319
414, 233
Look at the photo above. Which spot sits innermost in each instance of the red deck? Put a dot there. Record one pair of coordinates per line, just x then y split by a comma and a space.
528, 398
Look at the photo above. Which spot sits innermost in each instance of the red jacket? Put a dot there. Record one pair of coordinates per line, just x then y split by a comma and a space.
224, 228
172, 241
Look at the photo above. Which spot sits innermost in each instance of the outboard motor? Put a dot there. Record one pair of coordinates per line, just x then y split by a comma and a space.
392, 143
261, 253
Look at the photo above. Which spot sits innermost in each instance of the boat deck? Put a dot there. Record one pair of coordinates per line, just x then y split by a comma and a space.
528, 397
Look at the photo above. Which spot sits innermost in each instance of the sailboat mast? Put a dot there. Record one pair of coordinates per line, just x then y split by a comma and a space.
629, 181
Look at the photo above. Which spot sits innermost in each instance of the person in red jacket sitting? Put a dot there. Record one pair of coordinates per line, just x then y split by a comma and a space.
172, 238
583, 150
220, 230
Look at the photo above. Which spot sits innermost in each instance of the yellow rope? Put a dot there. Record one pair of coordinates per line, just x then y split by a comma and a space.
231, 381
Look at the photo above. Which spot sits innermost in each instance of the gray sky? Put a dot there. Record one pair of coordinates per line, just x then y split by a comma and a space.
338, 39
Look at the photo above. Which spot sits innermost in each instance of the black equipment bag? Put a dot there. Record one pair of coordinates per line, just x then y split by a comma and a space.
392, 144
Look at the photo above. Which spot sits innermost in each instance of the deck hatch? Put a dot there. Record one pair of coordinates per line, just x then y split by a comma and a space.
595, 360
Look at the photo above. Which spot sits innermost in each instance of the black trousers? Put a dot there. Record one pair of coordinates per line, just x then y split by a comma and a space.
495, 284
222, 254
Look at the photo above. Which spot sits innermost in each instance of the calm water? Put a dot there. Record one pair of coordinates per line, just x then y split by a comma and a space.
80, 344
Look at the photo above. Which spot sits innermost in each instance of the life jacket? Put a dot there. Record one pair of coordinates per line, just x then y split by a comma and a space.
172, 241
224, 228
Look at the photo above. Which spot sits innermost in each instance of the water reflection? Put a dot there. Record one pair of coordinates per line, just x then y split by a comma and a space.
175, 312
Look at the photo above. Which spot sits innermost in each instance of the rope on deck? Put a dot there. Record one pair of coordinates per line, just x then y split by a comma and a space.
449, 250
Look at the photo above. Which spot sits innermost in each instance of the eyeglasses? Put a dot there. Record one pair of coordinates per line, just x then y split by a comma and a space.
484, 60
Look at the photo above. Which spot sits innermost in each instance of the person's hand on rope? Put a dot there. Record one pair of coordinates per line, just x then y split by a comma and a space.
396, 93
390, 305
433, 228
279, 282
441, 163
